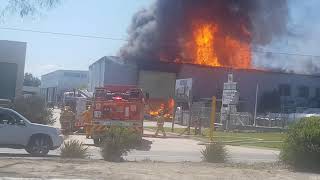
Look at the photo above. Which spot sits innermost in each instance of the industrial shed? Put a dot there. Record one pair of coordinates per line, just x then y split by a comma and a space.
295, 90
12, 61
112, 70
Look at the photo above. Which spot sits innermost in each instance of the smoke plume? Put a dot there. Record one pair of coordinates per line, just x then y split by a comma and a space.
163, 27
297, 51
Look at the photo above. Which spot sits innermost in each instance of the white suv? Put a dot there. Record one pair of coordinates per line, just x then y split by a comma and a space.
19, 133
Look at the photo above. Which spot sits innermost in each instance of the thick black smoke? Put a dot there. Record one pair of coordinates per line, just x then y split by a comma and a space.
163, 28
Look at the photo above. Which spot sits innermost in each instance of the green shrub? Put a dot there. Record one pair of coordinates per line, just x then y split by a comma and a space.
34, 109
302, 144
118, 141
74, 149
214, 153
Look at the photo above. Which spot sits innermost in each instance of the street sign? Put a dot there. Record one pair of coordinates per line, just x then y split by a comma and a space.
230, 97
183, 89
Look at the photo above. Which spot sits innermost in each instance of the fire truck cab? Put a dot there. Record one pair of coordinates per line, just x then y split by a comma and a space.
117, 106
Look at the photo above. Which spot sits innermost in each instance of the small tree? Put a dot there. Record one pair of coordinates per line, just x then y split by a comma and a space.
34, 109
302, 144
118, 141
214, 153
30, 80
26, 8
74, 149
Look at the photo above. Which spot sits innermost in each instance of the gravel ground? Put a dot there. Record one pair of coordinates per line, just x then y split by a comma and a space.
97, 169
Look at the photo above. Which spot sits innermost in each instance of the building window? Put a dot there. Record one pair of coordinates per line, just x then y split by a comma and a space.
284, 90
303, 91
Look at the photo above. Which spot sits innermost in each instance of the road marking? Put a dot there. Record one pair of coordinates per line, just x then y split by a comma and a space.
141, 155
20, 178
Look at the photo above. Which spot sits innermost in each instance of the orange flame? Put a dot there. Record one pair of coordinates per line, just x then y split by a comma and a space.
167, 108
171, 106
239, 53
204, 39
156, 111
209, 46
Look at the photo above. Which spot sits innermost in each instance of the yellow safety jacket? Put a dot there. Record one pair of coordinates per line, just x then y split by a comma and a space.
87, 117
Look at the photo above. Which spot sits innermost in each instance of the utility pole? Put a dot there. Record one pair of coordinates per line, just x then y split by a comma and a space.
173, 116
189, 119
255, 106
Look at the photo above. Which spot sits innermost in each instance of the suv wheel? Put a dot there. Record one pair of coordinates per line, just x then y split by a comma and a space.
38, 146
97, 141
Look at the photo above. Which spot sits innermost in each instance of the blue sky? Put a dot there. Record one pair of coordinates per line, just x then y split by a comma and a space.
47, 53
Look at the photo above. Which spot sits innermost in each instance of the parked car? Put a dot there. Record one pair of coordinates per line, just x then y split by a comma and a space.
19, 133
5, 103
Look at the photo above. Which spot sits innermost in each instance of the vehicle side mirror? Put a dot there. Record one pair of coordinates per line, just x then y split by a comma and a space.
21, 123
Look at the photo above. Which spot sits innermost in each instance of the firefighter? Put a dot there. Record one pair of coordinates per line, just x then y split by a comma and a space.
197, 126
160, 123
67, 119
87, 118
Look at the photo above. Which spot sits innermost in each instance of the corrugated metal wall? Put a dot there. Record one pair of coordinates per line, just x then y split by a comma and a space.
118, 73
13, 52
159, 85
111, 71
96, 75
208, 82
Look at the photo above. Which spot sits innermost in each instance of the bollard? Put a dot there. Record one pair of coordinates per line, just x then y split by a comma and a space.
213, 117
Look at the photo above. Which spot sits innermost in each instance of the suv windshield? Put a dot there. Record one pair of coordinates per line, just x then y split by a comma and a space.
6, 118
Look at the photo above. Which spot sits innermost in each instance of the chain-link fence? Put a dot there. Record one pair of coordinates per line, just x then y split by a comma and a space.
201, 116
272, 120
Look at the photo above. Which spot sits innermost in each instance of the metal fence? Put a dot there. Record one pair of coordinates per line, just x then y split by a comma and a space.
202, 116
272, 120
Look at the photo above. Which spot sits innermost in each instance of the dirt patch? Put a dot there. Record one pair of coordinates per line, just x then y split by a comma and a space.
96, 169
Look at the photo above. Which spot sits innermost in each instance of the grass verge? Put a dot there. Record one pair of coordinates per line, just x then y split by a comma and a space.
265, 140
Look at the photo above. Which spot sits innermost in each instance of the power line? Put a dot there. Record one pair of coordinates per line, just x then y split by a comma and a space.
122, 39
286, 53
63, 34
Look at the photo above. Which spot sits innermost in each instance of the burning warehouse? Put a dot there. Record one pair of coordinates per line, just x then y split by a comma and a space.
289, 91
157, 82
206, 40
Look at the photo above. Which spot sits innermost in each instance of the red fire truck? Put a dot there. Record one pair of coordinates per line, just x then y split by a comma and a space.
117, 106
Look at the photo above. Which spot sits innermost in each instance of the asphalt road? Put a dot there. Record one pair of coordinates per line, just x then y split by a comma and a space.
164, 149
167, 150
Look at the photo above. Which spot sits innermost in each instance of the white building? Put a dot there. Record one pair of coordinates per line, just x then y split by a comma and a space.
54, 84
12, 61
